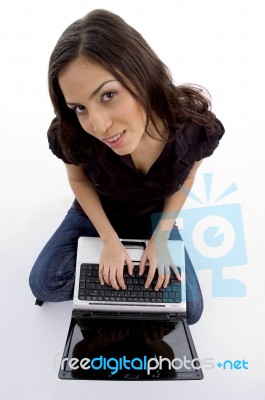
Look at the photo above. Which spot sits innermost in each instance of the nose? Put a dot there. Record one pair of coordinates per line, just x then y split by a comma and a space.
100, 121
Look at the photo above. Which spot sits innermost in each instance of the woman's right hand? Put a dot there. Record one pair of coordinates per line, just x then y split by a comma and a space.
113, 258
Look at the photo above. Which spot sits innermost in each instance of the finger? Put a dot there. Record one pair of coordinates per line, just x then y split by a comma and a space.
142, 264
150, 276
176, 271
130, 265
160, 281
100, 274
112, 279
167, 276
120, 279
104, 274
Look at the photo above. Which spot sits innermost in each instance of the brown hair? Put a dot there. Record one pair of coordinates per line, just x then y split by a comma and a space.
107, 39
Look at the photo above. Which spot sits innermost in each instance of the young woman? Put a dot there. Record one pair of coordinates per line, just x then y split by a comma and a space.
131, 142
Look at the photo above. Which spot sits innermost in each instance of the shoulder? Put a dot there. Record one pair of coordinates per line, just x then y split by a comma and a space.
194, 133
53, 136
70, 148
197, 141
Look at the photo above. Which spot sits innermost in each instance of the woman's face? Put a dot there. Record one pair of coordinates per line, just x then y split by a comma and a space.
104, 108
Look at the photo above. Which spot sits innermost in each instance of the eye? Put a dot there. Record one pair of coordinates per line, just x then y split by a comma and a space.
107, 96
79, 109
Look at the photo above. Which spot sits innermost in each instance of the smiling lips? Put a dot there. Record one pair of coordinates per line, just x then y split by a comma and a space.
116, 140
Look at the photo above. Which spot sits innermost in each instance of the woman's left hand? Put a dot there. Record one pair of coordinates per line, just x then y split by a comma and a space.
157, 255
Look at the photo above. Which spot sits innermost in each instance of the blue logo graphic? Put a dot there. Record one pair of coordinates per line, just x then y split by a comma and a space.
213, 236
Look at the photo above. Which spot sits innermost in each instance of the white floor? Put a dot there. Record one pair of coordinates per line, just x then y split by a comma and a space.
32, 338
35, 195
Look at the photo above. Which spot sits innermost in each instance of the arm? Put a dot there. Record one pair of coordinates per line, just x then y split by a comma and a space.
156, 251
114, 254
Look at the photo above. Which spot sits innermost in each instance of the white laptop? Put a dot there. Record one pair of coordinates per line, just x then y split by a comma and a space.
90, 295
132, 334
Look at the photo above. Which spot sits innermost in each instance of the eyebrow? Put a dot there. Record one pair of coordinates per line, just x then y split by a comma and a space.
93, 94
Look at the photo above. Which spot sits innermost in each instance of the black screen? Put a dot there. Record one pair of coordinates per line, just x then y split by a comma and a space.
129, 350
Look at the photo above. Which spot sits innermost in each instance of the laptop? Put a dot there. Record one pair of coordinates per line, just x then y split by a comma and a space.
131, 334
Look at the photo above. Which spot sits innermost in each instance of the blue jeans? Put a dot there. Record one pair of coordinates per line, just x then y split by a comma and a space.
53, 274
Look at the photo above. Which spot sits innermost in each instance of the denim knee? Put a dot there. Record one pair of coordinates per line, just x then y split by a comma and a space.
53, 294
50, 283
194, 312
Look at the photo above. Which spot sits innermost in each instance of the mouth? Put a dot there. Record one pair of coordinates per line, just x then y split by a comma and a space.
116, 140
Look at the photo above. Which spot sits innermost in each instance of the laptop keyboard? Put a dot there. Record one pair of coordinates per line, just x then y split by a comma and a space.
91, 289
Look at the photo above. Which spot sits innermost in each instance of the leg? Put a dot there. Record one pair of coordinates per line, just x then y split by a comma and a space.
52, 276
193, 292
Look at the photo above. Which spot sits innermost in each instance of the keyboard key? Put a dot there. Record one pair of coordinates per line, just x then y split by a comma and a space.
90, 286
92, 292
92, 279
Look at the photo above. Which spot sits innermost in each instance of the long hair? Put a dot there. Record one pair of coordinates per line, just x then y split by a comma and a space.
107, 39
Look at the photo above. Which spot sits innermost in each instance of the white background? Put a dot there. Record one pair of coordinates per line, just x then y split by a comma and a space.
218, 44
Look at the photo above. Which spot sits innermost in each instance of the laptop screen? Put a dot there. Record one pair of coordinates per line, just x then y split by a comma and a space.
107, 349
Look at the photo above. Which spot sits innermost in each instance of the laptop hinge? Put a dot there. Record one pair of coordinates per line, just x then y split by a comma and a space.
128, 315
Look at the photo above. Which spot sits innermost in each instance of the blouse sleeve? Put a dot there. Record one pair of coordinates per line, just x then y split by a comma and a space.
54, 142
210, 141
196, 142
